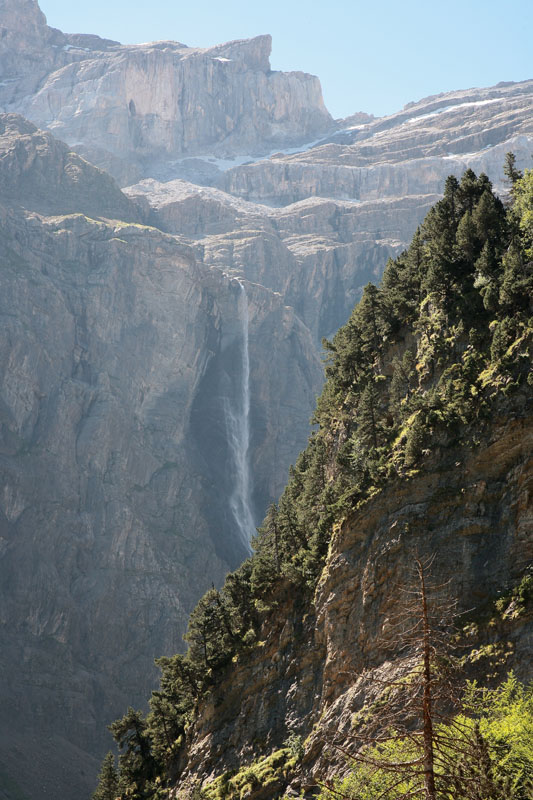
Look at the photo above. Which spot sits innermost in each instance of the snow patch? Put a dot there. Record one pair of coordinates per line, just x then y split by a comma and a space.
68, 47
446, 109
223, 164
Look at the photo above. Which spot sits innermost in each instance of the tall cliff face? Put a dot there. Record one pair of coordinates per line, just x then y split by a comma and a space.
114, 506
317, 225
135, 109
318, 253
408, 153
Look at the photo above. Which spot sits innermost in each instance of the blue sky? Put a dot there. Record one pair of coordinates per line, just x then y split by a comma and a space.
372, 56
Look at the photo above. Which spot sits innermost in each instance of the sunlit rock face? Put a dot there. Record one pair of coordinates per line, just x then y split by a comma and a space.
30, 50
408, 153
134, 109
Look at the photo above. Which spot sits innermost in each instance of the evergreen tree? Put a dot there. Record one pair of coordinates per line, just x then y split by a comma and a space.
467, 239
107, 780
372, 324
368, 418
208, 634
470, 189
509, 168
402, 381
238, 600
137, 763
487, 277
523, 191
489, 218
517, 280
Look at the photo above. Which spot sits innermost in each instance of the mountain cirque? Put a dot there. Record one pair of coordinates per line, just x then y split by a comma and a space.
123, 330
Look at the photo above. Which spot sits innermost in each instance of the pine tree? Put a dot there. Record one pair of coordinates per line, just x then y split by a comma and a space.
517, 281
137, 763
510, 171
368, 418
469, 191
238, 600
402, 381
466, 237
439, 236
488, 270
371, 320
451, 191
208, 634
523, 192
107, 780
489, 218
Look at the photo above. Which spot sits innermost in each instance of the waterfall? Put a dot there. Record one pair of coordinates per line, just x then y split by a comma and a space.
238, 430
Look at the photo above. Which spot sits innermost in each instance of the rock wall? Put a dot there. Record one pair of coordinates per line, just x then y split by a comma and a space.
472, 510
111, 524
135, 109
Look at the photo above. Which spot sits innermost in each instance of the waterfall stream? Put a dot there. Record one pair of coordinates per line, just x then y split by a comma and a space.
238, 430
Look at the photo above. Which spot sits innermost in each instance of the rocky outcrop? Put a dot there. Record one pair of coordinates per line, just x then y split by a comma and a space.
41, 174
472, 510
114, 512
30, 49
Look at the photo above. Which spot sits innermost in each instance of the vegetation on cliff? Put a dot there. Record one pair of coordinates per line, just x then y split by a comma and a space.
421, 367
484, 752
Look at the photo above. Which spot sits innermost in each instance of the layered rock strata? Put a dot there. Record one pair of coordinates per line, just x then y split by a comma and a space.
134, 109
408, 153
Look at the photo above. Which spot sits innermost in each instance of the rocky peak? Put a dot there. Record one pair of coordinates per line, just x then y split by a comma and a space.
132, 109
255, 53
22, 15
25, 41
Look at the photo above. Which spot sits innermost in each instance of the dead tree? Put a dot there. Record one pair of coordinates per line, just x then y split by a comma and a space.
417, 706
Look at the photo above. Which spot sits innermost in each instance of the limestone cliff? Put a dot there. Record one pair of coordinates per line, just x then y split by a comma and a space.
408, 153
116, 466
135, 109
